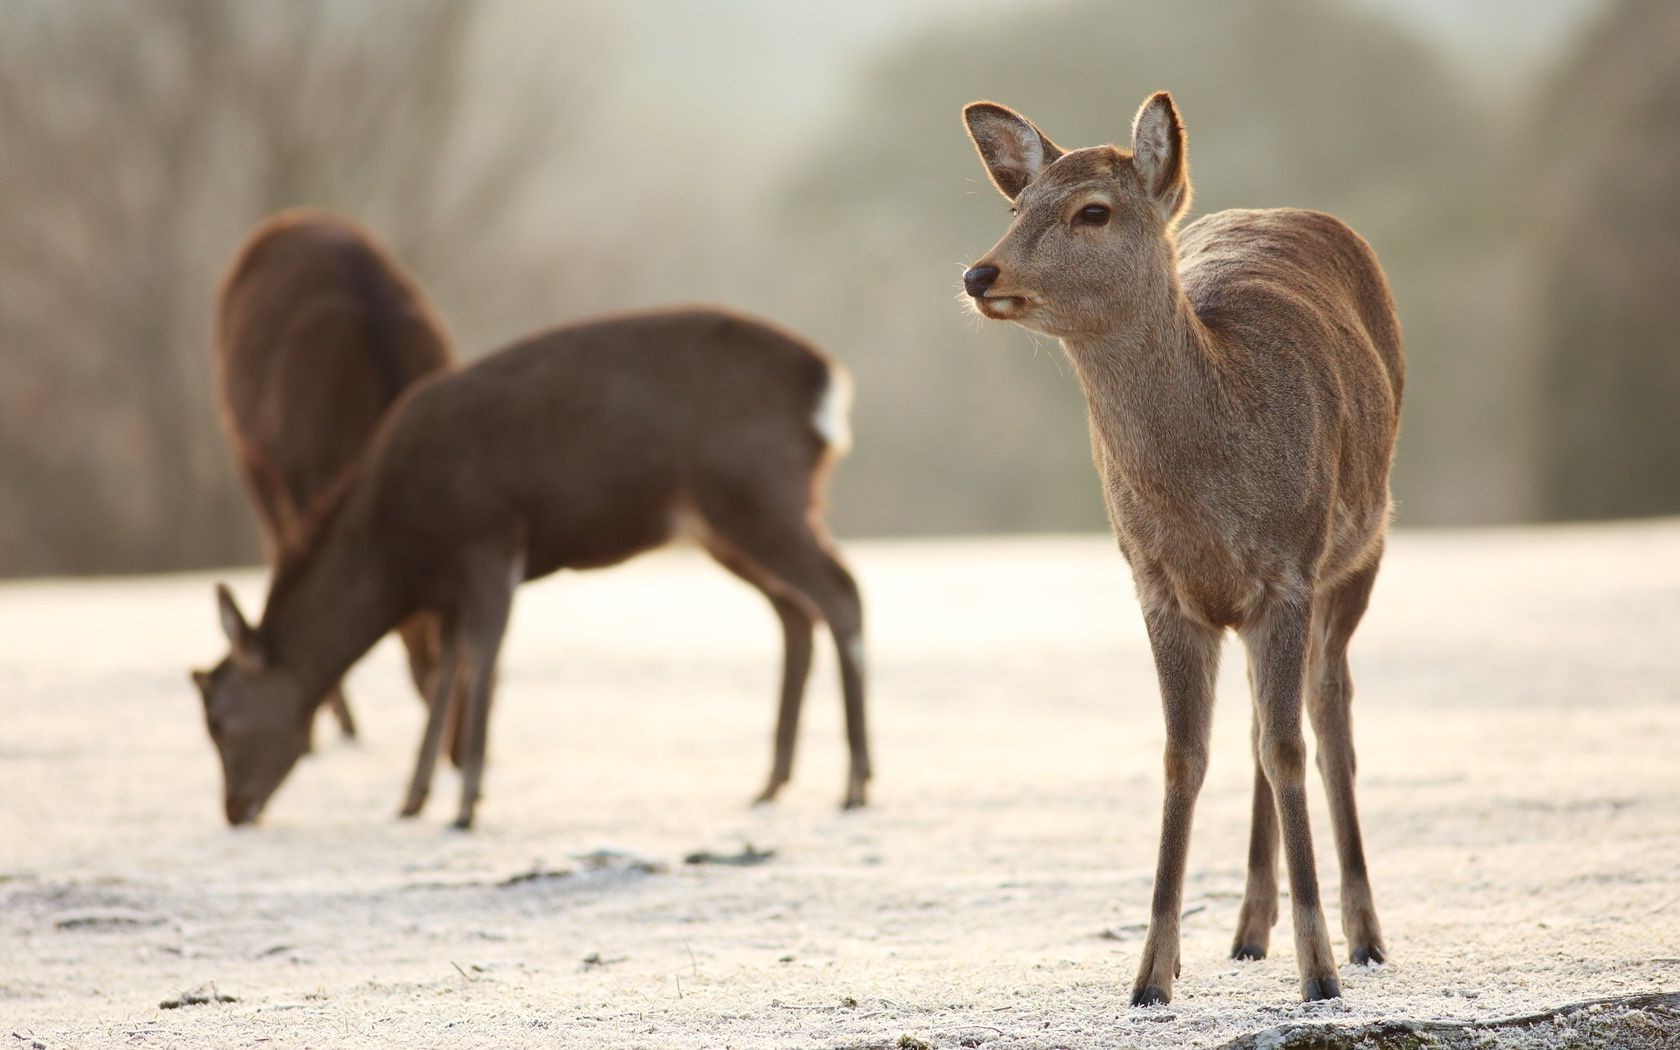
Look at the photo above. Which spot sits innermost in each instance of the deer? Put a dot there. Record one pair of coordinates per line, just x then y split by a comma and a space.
318, 332
1242, 379
576, 448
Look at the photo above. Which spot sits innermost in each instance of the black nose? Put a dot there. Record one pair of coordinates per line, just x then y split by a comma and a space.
979, 278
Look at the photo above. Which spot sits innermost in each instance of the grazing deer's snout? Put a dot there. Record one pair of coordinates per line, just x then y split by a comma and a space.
979, 278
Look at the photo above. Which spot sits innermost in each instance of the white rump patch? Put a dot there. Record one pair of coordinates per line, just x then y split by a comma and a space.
834, 409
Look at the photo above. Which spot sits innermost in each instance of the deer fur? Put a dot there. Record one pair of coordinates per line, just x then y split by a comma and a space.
574, 449
1243, 382
318, 331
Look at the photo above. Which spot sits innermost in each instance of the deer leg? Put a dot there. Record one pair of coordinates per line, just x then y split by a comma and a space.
796, 669
783, 543
489, 599
1277, 641
1329, 704
796, 621
1186, 661
1260, 896
341, 711
420, 636
818, 574
442, 696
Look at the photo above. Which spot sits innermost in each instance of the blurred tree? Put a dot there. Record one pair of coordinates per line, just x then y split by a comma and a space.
1609, 152
1303, 102
137, 142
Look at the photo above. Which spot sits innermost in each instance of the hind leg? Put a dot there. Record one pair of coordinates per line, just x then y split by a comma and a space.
796, 623
1329, 705
778, 537
1260, 896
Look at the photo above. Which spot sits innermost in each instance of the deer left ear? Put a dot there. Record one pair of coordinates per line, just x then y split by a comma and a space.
1158, 156
1011, 147
244, 645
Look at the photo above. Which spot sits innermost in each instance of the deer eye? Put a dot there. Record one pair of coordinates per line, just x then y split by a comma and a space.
1093, 215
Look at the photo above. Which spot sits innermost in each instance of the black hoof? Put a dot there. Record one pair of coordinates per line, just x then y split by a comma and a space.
1249, 952
1151, 996
1366, 955
462, 824
1319, 988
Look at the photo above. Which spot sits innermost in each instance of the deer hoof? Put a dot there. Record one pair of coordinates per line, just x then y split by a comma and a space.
1368, 955
1314, 989
1150, 995
1248, 952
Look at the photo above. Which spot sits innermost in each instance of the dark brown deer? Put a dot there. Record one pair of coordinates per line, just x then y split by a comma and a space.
317, 332
574, 449
1243, 383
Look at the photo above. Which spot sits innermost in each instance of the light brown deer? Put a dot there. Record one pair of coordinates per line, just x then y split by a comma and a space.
1243, 384
317, 332
574, 449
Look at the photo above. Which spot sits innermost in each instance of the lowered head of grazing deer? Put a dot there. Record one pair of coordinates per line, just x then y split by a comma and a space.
256, 714
1243, 381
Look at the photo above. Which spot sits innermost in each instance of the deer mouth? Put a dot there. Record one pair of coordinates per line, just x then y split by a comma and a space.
244, 811
1002, 307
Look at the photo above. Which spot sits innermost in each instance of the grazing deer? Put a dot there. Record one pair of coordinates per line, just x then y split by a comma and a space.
1243, 384
573, 449
317, 333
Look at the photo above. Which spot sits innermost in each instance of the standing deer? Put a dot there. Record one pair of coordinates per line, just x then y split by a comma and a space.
1243, 384
317, 333
574, 449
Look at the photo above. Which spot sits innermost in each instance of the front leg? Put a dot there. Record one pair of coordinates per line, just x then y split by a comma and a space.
437, 710
1277, 644
492, 574
1186, 662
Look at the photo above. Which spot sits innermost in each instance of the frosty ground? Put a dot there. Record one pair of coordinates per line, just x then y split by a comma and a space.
1517, 715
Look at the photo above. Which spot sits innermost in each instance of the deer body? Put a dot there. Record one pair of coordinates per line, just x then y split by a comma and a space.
1243, 381
575, 449
317, 333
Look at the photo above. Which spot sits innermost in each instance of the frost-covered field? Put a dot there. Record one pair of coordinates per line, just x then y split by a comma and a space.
1518, 717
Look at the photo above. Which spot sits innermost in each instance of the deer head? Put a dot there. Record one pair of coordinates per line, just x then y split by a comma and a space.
1093, 228
251, 709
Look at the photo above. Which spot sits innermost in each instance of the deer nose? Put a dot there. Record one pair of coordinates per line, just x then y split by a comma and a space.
979, 278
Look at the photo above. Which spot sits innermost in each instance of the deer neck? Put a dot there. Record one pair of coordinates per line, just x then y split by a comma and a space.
330, 610
1156, 384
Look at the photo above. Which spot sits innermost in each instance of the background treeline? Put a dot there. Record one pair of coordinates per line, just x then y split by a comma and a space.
534, 163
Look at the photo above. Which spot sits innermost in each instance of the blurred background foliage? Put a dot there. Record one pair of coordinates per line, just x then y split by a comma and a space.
1512, 161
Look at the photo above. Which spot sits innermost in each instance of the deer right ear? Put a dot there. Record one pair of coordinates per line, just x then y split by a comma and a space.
1011, 147
1158, 155
243, 644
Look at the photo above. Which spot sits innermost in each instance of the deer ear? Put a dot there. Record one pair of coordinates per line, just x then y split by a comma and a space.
201, 679
1011, 147
1158, 155
244, 646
